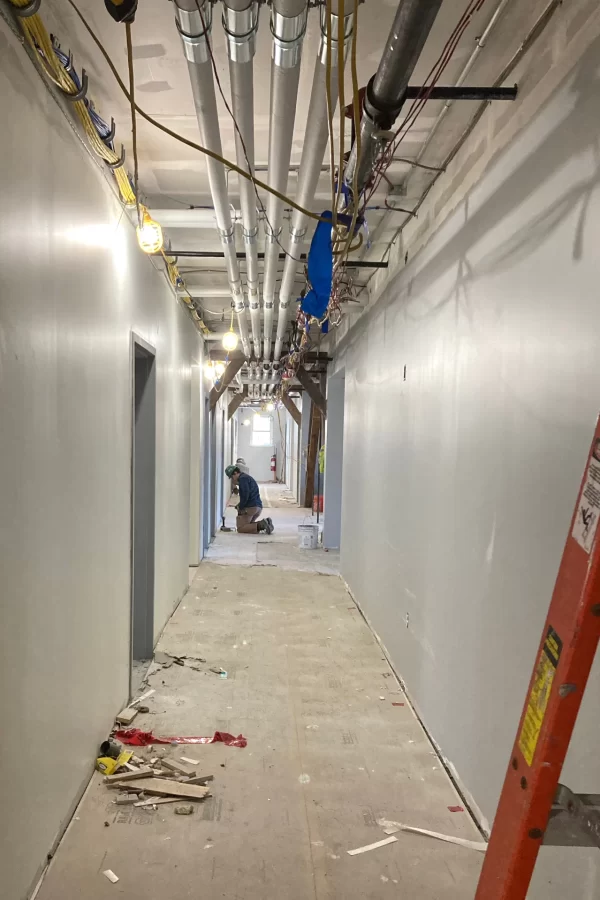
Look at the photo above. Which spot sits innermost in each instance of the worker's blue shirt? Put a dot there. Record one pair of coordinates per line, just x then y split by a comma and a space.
249, 493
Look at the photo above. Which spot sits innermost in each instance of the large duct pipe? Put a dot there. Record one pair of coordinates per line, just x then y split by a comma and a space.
313, 151
194, 21
240, 21
385, 92
288, 25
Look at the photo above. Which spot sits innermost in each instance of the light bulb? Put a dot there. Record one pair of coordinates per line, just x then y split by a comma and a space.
230, 340
219, 368
246, 422
149, 234
209, 369
257, 415
270, 407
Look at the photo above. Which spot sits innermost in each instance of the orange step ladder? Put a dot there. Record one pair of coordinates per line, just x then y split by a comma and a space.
534, 809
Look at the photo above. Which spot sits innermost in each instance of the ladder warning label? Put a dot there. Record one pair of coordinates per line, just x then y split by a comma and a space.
588, 511
539, 696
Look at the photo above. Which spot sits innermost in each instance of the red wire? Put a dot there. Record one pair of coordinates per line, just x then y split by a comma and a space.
419, 102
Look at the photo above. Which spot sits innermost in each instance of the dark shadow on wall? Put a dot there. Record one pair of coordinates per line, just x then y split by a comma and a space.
491, 562
570, 138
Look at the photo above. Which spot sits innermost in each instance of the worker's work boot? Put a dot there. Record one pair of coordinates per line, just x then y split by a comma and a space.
270, 526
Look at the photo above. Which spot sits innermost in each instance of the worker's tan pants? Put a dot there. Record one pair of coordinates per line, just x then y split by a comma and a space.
246, 520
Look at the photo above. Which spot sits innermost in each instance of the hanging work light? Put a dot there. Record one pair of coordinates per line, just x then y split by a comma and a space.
149, 233
230, 340
219, 368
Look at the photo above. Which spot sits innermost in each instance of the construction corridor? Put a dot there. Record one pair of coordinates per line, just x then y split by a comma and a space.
335, 755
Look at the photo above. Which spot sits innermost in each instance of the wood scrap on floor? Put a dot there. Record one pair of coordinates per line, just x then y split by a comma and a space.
108, 873
126, 799
182, 768
389, 840
481, 846
163, 788
143, 697
126, 716
130, 775
155, 801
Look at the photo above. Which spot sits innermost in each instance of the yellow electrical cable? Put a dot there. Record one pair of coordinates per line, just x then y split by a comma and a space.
178, 137
136, 191
356, 115
39, 40
341, 99
328, 17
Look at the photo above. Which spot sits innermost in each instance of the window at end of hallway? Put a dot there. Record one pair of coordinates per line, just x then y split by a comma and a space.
262, 431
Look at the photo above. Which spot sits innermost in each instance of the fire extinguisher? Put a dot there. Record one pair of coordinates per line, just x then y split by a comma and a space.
274, 466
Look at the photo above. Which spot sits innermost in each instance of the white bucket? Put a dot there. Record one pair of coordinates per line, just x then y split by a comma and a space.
308, 537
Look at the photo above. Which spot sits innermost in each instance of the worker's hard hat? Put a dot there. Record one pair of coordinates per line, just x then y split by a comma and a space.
231, 470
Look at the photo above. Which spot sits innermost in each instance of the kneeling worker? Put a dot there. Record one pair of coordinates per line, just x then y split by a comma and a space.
250, 505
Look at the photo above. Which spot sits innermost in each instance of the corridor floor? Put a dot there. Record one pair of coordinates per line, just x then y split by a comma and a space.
330, 752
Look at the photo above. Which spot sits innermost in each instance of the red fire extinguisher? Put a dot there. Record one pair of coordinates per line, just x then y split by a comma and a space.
274, 466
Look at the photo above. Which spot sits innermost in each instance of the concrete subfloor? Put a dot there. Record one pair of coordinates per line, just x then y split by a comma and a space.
326, 759
278, 549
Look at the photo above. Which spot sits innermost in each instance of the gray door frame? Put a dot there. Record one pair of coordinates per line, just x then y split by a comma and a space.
143, 497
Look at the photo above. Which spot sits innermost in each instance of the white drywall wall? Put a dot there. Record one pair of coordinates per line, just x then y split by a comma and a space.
68, 305
258, 459
460, 481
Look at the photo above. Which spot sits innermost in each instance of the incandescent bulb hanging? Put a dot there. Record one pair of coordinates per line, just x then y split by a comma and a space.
149, 233
230, 341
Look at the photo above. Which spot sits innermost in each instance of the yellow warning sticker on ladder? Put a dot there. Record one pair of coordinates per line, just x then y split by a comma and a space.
539, 696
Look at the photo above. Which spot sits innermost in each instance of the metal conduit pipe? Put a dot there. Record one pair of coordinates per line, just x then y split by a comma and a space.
313, 151
240, 21
386, 89
479, 45
288, 26
194, 24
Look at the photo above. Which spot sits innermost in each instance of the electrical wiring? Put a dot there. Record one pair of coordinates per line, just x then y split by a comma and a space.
418, 165
133, 120
356, 118
174, 134
328, 94
38, 39
341, 101
58, 67
419, 102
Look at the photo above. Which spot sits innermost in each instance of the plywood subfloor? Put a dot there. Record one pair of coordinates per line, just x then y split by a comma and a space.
326, 759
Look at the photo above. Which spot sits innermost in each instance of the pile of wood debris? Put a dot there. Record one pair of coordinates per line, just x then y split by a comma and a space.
160, 779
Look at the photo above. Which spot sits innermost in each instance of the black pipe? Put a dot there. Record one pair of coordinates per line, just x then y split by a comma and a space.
462, 93
409, 31
217, 254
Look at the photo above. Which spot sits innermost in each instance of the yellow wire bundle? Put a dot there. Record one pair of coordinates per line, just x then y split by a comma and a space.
39, 40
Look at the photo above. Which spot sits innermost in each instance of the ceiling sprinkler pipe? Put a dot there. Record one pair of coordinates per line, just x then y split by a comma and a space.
194, 20
313, 151
288, 25
241, 25
385, 91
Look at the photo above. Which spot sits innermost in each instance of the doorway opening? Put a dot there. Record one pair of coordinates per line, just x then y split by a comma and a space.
207, 477
143, 489
334, 461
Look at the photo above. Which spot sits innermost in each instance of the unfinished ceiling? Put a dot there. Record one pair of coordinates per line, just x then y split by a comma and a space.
174, 177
